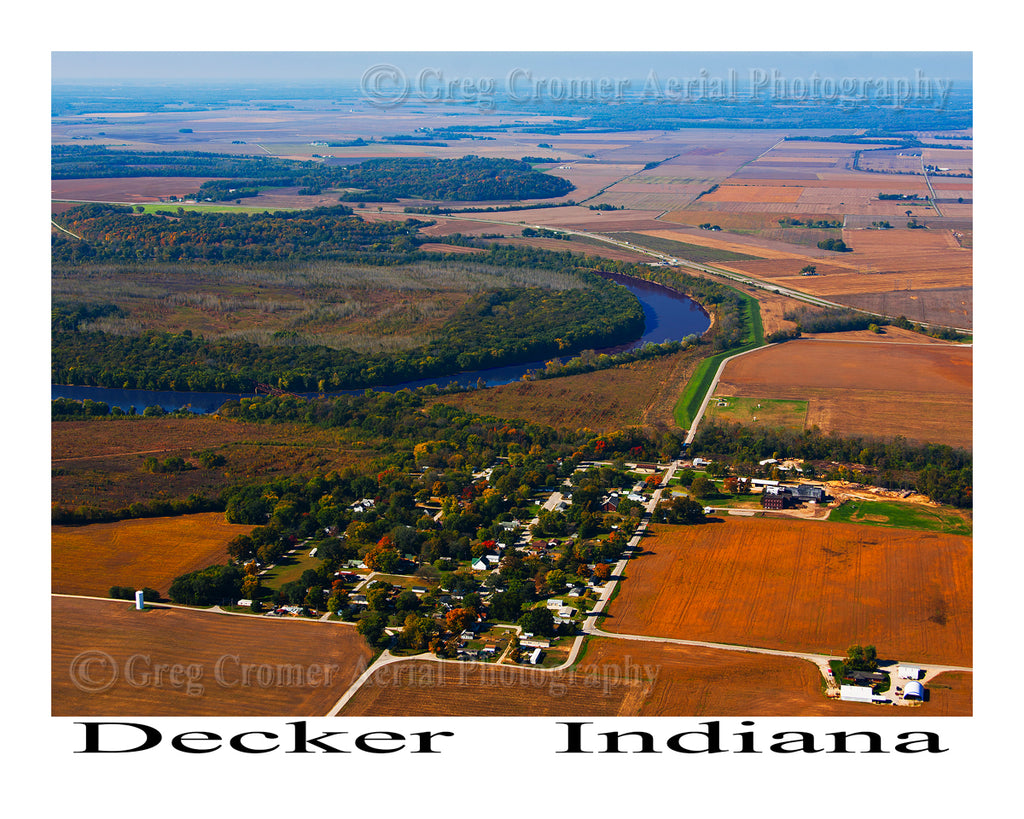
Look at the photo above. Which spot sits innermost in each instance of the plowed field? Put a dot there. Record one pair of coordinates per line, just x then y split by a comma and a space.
227, 665
803, 586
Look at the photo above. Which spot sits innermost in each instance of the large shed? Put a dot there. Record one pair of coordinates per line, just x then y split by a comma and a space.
913, 691
909, 672
855, 693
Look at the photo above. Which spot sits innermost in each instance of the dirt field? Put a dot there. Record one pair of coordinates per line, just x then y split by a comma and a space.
629, 678
145, 552
803, 585
226, 666
921, 391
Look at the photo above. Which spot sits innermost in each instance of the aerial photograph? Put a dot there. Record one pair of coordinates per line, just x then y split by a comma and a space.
511, 384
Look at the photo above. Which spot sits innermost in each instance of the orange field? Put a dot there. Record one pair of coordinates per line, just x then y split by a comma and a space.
109, 660
146, 552
803, 586
754, 193
630, 678
920, 391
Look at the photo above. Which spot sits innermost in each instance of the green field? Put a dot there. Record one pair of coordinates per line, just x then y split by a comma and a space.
289, 568
904, 516
771, 412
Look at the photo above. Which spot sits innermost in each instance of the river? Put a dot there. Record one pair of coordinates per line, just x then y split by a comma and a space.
668, 316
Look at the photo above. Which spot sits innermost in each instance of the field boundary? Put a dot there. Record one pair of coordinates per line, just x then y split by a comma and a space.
689, 409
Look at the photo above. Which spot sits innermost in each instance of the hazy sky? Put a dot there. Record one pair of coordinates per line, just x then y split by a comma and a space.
72, 66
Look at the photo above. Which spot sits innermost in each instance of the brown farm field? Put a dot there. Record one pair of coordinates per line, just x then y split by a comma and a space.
639, 394
430, 688
145, 552
630, 678
922, 391
694, 681
228, 665
101, 462
803, 586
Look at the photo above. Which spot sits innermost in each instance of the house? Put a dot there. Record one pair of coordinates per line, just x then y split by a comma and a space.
554, 604
774, 501
419, 589
535, 656
480, 565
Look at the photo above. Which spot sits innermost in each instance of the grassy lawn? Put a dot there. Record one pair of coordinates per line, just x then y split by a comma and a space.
289, 568
772, 412
904, 516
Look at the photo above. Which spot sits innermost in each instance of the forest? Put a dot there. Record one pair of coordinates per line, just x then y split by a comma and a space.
471, 178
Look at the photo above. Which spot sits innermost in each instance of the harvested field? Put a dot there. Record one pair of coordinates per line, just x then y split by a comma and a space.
876, 389
639, 394
803, 586
135, 189
293, 668
693, 681
146, 552
951, 307
754, 193
629, 678
429, 688
101, 462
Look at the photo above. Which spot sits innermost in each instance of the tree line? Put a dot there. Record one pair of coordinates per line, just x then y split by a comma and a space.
942, 472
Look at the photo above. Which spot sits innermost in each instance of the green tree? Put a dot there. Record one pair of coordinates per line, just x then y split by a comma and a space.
538, 621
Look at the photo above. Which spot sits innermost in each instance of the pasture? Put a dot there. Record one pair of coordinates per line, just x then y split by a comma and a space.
227, 665
144, 552
803, 586
920, 391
